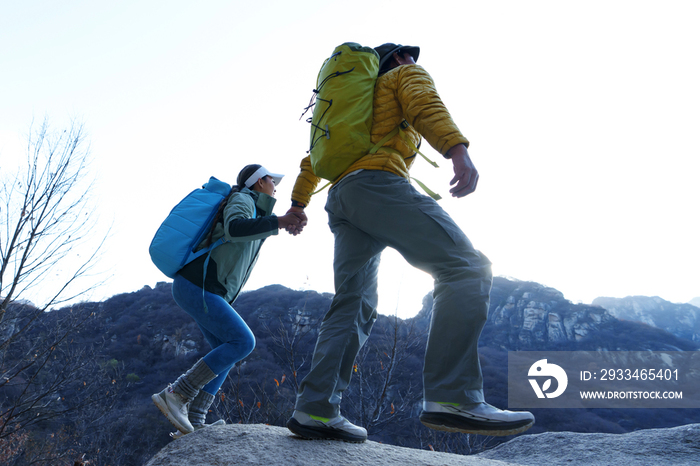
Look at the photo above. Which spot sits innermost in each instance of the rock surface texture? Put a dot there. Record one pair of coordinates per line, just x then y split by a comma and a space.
674, 446
266, 445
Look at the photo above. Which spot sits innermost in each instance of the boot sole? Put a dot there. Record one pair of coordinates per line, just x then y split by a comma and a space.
454, 423
315, 433
163, 407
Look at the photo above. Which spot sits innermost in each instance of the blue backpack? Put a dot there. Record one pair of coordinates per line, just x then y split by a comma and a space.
186, 226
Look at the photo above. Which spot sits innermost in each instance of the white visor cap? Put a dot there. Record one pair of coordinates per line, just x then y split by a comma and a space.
260, 173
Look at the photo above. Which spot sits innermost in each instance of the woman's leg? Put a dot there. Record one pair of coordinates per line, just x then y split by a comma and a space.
230, 338
224, 329
212, 387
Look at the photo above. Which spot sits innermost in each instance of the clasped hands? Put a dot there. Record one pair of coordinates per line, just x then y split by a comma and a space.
293, 221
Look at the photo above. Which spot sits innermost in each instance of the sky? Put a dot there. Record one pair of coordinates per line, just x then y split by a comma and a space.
583, 120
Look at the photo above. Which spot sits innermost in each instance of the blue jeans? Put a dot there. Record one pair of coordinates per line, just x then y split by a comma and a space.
228, 335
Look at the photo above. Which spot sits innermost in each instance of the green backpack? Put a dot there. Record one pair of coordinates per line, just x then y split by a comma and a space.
342, 119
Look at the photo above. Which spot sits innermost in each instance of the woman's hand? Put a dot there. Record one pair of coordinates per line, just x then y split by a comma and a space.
293, 221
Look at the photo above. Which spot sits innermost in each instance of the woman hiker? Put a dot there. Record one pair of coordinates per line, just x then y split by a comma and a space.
245, 219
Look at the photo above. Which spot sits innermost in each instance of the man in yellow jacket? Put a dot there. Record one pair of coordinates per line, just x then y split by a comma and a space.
371, 206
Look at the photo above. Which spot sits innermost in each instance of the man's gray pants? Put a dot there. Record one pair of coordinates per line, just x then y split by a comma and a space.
367, 212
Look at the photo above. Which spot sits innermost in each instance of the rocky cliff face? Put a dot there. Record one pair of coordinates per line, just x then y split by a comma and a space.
536, 314
682, 320
532, 317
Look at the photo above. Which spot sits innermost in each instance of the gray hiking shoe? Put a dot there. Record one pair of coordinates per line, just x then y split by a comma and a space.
321, 428
177, 434
478, 418
174, 407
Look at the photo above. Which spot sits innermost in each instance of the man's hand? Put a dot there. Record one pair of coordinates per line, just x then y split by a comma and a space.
466, 175
296, 227
293, 222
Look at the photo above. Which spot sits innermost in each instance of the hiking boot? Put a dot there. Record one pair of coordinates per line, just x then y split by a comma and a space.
477, 418
174, 407
177, 434
321, 428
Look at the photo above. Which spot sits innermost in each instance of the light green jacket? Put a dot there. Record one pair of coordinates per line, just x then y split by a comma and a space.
231, 263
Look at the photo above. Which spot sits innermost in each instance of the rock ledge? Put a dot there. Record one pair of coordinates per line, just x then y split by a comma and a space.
254, 444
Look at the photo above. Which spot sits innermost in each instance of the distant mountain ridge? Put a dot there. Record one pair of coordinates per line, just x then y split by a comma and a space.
528, 316
147, 341
682, 320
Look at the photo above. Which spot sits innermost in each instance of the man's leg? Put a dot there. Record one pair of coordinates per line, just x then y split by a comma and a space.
344, 330
387, 208
390, 210
346, 326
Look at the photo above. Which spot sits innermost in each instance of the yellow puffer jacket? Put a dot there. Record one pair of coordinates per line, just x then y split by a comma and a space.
405, 92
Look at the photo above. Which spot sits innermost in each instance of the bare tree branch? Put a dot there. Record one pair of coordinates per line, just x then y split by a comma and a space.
47, 220
47, 256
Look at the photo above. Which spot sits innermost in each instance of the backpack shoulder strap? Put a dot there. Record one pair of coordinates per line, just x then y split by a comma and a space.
399, 130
